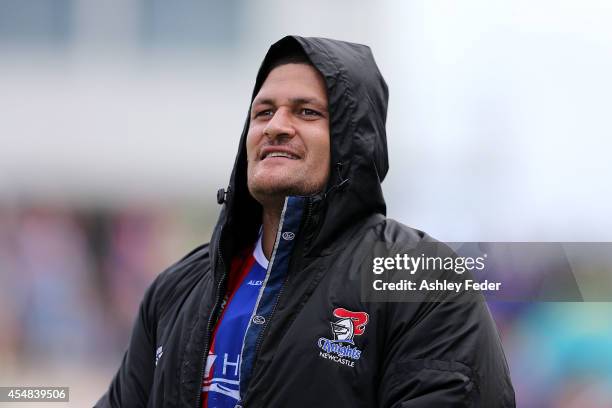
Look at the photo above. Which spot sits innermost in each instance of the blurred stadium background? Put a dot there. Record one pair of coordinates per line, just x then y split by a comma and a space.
119, 120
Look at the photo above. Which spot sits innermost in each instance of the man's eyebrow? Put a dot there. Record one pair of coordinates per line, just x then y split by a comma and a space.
293, 101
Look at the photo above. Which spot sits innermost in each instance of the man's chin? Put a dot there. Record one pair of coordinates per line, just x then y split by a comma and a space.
276, 190
272, 191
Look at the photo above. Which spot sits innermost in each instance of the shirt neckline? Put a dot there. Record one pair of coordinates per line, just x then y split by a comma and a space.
258, 254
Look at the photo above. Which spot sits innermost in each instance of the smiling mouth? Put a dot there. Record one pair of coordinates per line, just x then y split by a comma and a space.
280, 154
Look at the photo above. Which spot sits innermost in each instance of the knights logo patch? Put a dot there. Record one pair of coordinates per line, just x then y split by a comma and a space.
341, 348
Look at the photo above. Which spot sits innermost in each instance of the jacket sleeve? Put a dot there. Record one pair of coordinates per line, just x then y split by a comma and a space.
448, 354
132, 383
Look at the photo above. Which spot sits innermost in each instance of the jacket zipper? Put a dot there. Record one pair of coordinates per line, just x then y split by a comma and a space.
211, 318
278, 297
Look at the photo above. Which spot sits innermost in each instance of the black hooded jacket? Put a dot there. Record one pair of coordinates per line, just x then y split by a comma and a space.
411, 354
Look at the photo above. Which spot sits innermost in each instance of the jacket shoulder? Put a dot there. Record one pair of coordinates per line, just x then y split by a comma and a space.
392, 231
178, 279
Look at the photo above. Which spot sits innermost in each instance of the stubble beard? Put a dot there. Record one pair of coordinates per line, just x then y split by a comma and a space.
273, 190
267, 191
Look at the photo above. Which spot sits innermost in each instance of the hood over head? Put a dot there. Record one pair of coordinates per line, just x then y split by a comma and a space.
357, 101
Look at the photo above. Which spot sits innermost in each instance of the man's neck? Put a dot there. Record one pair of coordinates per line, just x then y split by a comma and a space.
270, 220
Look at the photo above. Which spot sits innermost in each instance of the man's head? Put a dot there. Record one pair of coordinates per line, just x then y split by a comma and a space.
288, 141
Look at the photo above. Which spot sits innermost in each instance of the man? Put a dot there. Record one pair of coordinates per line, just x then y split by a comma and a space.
305, 194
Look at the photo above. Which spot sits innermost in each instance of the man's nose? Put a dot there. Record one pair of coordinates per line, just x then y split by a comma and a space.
280, 125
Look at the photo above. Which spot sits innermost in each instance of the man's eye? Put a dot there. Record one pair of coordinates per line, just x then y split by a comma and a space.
310, 112
264, 113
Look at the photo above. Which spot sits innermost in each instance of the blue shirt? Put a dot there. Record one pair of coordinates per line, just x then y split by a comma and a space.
221, 382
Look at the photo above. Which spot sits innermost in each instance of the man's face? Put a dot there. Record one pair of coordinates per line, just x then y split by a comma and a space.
288, 140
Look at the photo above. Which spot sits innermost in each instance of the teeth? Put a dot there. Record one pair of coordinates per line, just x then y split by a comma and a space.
280, 154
